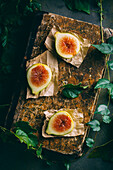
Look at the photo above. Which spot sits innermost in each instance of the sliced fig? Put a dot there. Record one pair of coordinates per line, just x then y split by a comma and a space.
67, 45
38, 77
60, 123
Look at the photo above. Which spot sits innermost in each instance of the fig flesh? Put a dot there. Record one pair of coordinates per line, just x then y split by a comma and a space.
61, 123
67, 45
38, 77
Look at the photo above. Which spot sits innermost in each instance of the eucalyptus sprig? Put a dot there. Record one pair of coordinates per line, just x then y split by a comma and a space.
103, 110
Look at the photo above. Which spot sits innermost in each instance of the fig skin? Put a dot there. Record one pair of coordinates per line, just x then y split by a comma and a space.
37, 88
52, 131
67, 45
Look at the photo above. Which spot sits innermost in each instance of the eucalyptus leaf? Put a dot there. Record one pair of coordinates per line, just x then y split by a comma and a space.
94, 124
110, 89
111, 93
81, 5
104, 48
104, 151
89, 142
106, 119
72, 91
103, 110
102, 83
110, 64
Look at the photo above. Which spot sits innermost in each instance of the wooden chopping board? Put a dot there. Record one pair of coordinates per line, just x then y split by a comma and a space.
91, 70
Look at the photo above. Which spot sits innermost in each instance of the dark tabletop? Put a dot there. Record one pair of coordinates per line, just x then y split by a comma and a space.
16, 156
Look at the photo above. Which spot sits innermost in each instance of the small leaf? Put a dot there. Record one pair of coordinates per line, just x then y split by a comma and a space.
103, 110
110, 64
34, 140
102, 83
106, 119
4, 41
24, 138
111, 93
81, 5
89, 142
37, 5
72, 91
94, 124
104, 48
49, 163
21, 135
67, 165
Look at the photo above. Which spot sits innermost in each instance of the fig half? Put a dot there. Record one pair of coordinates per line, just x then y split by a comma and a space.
38, 77
61, 123
67, 45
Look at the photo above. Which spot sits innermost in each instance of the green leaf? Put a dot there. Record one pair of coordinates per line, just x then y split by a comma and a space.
24, 138
94, 124
49, 163
67, 165
104, 151
103, 110
104, 48
102, 83
110, 64
89, 142
72, 91
36, 5
81, 5
34, 140
4, 41
106, 119
39, 152
111, 93
25, 127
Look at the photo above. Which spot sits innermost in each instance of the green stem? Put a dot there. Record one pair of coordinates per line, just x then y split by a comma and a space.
4, 105
104, 144
107, 67
101, 19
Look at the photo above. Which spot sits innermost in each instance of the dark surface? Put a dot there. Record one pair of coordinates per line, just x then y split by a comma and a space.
15, 157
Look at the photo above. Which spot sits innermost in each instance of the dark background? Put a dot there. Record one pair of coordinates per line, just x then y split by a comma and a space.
16, 156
